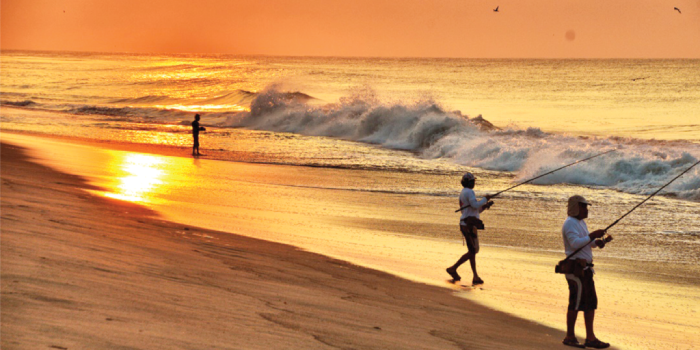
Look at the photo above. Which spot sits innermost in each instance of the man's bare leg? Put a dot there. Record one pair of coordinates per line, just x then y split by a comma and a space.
571, 316
588, 316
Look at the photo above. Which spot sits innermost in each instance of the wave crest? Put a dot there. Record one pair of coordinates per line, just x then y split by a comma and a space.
413, 126
25, 103
427, 128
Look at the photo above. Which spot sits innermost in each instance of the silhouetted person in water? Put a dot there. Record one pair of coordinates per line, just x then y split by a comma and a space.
468, 224
195, 135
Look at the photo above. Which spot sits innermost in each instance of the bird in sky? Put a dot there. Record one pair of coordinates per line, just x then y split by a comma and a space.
677, 9
496, 9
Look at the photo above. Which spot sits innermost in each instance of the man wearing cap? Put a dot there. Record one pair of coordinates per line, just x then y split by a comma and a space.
471, 209
582, 295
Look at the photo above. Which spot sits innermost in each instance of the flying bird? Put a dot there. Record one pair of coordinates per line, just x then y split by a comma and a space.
496, 9
677, 9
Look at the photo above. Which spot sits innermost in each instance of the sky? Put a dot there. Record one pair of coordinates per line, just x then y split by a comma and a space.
368, 28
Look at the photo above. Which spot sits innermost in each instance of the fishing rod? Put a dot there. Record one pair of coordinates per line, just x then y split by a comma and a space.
609, 238
652, 195
535, 178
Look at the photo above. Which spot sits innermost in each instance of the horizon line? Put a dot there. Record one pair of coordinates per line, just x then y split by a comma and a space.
2, 50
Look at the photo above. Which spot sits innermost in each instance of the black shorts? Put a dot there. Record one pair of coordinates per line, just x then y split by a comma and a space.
582, 295
471, 236
196, 141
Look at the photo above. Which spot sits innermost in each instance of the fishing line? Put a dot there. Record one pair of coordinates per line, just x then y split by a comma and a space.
652, 195
535, 178
609, 238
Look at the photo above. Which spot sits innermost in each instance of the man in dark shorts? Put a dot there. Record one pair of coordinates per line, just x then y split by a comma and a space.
582, 294
467, 226
195, 135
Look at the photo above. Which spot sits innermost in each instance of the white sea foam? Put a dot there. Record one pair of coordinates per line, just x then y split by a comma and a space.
433, 132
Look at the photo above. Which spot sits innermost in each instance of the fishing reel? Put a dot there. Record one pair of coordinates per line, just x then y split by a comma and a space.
488, 205
602, 241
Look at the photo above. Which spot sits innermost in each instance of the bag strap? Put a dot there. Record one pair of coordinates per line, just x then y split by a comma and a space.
579, 249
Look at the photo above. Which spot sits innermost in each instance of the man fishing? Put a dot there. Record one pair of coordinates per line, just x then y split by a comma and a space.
578, 265
195, 135
469, 224
582, 295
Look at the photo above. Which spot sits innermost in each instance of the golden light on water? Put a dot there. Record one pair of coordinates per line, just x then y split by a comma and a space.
138, 177
205, 108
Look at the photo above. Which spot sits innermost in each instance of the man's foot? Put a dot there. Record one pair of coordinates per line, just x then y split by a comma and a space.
596, 344
477, 280
453, 272
573, 342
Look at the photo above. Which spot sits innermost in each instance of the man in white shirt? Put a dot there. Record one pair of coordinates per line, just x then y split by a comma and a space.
473, 207
582, 294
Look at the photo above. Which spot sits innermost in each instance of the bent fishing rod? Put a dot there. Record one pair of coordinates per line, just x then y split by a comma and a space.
609, 237
535, 178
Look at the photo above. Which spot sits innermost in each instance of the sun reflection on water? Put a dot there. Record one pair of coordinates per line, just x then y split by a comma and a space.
138, 177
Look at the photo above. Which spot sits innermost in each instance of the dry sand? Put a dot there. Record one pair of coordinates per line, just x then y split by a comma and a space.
85, 272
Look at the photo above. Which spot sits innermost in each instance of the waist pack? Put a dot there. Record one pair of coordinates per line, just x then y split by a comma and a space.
574, 267
474, 221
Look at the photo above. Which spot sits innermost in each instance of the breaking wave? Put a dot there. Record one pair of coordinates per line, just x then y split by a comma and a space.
427, 129
25, 103
433, 132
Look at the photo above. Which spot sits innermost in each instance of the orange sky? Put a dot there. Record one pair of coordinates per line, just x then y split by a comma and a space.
400, 28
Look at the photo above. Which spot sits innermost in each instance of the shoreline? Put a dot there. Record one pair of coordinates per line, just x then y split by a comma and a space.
225, 155
129, 279
617, 287
649, 273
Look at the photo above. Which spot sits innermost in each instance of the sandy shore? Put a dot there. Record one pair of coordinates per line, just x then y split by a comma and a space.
85, 272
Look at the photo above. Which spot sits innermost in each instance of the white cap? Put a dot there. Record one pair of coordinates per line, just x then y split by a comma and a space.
574, 201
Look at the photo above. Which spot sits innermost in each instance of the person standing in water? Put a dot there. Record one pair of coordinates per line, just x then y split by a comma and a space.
582, 294
469, 224
195, 135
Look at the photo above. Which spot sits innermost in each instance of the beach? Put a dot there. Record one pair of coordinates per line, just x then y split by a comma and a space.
201, 270
81, 271
331, 184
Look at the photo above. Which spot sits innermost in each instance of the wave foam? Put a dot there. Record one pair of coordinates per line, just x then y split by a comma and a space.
428, 129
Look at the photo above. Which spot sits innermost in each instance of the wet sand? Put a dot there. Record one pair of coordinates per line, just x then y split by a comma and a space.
83, 272
641, 307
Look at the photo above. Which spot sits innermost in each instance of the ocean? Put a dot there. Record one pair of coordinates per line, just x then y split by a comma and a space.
360, 159
545, 112
506, 120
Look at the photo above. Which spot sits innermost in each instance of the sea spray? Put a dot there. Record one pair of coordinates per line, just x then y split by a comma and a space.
432, 132
412, 127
